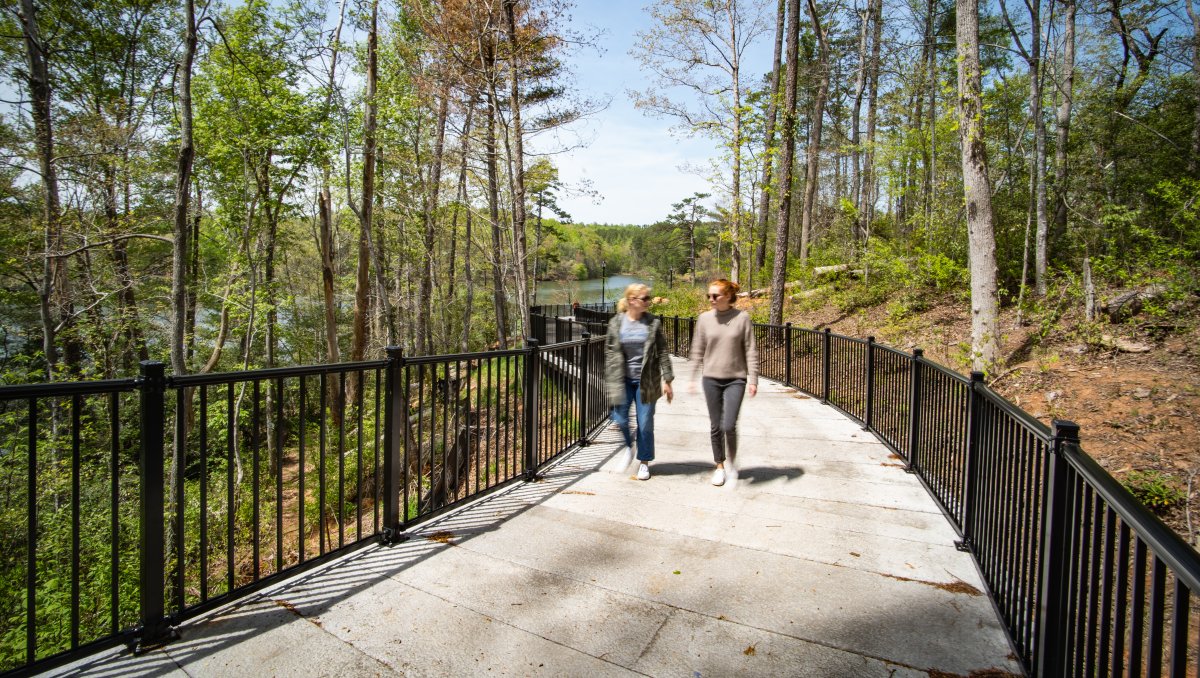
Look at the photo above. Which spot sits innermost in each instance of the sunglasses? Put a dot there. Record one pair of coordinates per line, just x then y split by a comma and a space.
715, 296
645, 299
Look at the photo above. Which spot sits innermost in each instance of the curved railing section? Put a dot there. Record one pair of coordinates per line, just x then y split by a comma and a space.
1086, 579
132, 505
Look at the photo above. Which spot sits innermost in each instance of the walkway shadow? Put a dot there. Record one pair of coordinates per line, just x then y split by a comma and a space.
313, 593
764, 474
679, 469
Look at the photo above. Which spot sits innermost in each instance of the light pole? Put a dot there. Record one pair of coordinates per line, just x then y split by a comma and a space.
603, 281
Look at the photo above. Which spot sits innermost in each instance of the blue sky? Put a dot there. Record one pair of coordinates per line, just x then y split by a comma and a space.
633, 160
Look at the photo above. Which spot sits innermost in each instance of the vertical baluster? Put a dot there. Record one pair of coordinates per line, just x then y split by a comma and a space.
322, 519
230, 464
358, 481
392, 437
1177, 662
302, 465
341, 459
203, 493
278, 431
31, 536
114, 502
76, 452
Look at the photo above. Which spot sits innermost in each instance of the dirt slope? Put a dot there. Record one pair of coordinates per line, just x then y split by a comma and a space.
1137, 411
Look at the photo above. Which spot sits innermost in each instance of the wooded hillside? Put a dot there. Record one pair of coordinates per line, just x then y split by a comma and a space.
253, 184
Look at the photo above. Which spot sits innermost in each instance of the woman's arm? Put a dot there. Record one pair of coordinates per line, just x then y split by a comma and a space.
751, 347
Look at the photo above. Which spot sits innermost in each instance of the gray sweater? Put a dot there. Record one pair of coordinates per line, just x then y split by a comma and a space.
724, 345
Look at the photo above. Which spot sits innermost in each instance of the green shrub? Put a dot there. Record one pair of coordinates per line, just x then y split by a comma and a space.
1154, 489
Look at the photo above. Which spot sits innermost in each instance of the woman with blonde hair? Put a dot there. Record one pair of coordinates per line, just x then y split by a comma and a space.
637, 371
728, 358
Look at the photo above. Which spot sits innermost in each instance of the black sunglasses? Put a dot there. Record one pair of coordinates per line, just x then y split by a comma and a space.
645, 299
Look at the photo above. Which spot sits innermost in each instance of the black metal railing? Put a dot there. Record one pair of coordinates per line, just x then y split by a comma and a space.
132, 505
110, 539
1087, 580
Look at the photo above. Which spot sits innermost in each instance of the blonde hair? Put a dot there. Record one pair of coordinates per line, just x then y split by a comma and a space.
634, 290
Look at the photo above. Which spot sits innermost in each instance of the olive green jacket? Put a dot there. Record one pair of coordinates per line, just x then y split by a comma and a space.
656, 362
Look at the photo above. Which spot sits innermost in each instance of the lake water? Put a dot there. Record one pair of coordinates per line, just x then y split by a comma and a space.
586, 291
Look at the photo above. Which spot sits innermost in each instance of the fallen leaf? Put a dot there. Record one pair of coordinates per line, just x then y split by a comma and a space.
749, 652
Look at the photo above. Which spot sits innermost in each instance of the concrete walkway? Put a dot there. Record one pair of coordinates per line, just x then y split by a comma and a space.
826, 559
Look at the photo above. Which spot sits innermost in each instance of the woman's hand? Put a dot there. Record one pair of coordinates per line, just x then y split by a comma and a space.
668, 391
753, 389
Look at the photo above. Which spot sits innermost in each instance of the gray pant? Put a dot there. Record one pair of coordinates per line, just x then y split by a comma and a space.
724, 399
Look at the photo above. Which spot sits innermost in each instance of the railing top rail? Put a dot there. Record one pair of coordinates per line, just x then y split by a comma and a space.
925, 362
1022, 417
888, 349
1164, 542
67, 388
459, 357
188, 380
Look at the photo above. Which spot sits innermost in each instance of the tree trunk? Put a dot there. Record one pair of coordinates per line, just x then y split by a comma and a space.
787, 151
870, 181
499, 303
325, 208
1194, 157
981, 237
764, 198
735, 266
520, 249
183, 184
53, 295
1033, 60
860, 85
1066, 90
424, 317
468, 245
932, 71
812, 175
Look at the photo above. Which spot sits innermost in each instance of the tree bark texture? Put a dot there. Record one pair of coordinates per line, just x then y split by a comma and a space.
787, 152
1066, 93
183, 183
980, 234
812, 172
764, 197
517, 133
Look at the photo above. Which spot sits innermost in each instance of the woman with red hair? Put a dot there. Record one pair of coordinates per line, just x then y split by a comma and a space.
728, 358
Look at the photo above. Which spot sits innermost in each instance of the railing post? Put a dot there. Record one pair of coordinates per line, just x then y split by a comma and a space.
532, 368
584, 365
787, 354
393, 436
151, 526
674, 335
971, 482
867, 417
825, 360
1053, 596
914, 409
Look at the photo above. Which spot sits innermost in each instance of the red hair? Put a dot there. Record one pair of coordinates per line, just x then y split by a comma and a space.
728, 287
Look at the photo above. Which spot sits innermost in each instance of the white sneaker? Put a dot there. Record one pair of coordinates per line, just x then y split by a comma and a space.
643, 472
624, 458
718, 478
731, 472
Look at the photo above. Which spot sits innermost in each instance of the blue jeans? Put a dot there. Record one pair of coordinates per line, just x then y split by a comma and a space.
645, 420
